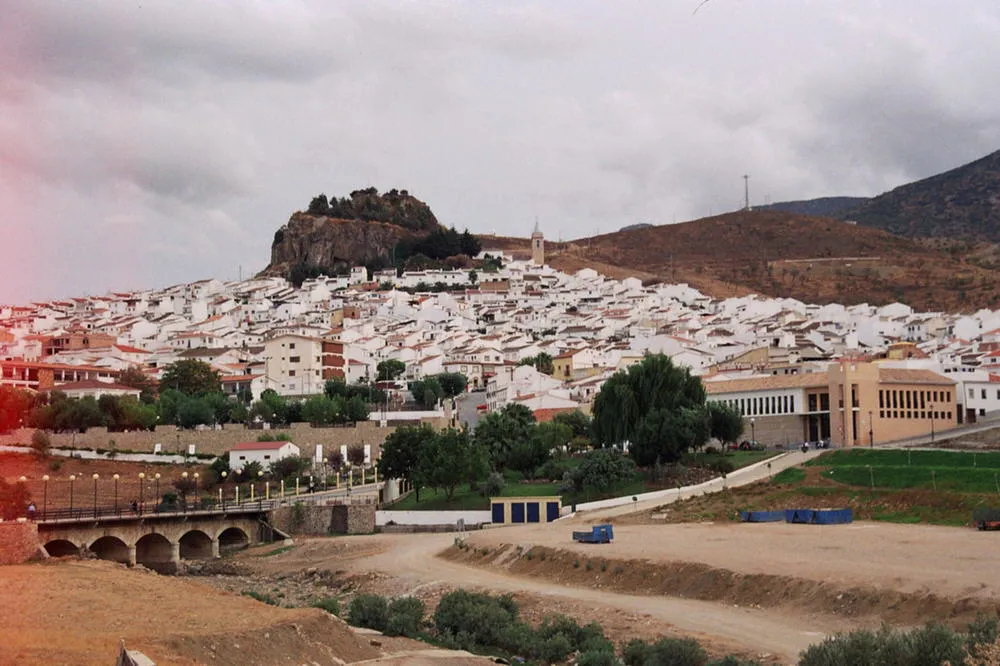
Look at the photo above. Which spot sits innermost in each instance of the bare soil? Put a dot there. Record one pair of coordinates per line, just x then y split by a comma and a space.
75, 612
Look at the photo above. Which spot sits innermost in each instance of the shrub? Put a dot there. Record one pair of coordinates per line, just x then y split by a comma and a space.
555, 648
41, 442
368, 610
470, 618
930, 645
982, 631
730, 660
263, 598
722, 466
406, 615
581, 638
55, 465
668, 652
494, 485
598, 658
330, 604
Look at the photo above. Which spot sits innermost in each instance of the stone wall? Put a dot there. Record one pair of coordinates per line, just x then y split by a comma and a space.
354, 519
774, 430
320, 520
215, 442
19, 542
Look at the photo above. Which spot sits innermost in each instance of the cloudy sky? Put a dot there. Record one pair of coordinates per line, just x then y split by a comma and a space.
147, 142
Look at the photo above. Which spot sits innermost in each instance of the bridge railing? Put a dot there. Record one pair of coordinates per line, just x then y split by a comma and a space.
182, 507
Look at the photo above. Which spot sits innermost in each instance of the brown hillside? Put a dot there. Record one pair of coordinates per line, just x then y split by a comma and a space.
813, 259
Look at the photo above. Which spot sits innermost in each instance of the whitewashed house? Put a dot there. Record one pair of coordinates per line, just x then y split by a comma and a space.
265, 453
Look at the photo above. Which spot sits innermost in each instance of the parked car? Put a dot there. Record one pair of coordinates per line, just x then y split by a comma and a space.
751, 445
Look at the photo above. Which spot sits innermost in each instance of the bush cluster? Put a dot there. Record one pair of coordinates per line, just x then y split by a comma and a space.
403, 616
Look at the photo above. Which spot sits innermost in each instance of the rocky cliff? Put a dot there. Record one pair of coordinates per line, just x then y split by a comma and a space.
331, 244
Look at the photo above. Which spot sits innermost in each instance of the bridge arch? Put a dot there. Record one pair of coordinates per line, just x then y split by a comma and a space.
195, 545
232, 539
110, 548
153, 549
61, 548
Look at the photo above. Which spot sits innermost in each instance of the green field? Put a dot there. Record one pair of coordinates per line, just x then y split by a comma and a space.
465, 499
955, 471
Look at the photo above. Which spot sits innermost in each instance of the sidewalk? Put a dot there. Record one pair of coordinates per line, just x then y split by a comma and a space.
594, 511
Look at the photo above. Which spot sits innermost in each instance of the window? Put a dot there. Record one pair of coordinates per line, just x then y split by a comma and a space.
243, 457
266, 457
291, 373
291, 345
294, 359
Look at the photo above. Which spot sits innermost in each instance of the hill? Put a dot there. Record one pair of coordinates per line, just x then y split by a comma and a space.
812, 259
822, 207
963, 204
365, 229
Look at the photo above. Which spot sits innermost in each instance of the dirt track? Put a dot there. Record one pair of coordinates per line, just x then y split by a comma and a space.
820, 579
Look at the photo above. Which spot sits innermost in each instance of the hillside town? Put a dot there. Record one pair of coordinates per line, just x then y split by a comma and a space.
523, 332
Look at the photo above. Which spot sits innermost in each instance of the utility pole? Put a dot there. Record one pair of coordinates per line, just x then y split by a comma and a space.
746, 192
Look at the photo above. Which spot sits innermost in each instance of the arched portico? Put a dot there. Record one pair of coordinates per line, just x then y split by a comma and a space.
196, 545
61, 548
111, 548
232, 539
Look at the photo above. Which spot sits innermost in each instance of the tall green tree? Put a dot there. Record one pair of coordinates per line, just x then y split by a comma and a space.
644, 402
541, 362
402, 454
427, 391
390, 369
191, 377
319, 410
577, 421
726, 424
452, 383
449, 461
134, 377
498, 432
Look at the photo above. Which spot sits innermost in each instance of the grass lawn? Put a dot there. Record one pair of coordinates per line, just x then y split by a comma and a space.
956, 471
465, 500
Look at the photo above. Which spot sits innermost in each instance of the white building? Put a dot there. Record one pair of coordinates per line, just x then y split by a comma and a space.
265, 453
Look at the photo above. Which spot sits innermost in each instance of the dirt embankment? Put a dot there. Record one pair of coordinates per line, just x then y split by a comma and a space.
692, 580
76, 612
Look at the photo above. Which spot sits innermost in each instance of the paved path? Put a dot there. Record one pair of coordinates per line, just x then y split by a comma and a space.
740, 477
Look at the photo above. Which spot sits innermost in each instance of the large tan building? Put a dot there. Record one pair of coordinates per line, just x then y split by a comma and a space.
852, 403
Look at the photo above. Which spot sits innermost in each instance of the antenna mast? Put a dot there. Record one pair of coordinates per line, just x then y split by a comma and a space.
746, 192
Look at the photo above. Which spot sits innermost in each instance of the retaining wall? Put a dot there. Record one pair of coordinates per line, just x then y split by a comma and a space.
18, 542
215, 442
324, 520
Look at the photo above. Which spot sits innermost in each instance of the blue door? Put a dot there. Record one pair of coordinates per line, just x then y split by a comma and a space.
533, 512
517, 512
551, 511
498, 517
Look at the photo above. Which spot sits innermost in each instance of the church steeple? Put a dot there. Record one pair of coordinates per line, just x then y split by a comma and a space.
537, 245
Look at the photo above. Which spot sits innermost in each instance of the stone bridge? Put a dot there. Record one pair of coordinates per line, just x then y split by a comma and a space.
157, 541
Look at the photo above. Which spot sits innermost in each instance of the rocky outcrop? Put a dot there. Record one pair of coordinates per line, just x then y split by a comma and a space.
329, 243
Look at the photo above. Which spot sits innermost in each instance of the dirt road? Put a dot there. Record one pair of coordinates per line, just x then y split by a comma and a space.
411, 561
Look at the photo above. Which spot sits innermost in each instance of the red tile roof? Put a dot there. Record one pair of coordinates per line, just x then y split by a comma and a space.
259, 446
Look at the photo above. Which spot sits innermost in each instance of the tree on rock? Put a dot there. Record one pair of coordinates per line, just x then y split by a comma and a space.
657, 407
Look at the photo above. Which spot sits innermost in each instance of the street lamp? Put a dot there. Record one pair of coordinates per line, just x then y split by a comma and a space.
45, 495
221, 483
871, 430
72, 478
157, 477
115, 477
196, 493
753, 430
184, 494
142, 488
95, 476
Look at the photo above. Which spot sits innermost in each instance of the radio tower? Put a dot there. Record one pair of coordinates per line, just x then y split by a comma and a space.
746, 192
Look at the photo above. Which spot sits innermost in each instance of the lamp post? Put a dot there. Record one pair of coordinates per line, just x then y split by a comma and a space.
184, 492
115, 477
72, 478
196, 493
260, 474
45, 495
223, 477
753, 429
871, 430
142, 488
95, 476
157, 478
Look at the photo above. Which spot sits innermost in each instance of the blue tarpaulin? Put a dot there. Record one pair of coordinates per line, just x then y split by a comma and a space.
819, 516
762, 516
